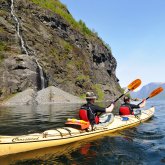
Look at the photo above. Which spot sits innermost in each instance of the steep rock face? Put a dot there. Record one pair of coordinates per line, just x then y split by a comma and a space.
18, 73
70, 60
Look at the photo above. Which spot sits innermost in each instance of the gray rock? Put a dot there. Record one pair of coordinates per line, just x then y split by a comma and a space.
56, 95
19, 73
48, 95
21, 98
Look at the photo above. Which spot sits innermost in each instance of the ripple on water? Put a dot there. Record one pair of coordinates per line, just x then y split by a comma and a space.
145, 135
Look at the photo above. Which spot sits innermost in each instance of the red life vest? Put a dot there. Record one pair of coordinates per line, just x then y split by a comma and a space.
97, 119
84, 116
125, 110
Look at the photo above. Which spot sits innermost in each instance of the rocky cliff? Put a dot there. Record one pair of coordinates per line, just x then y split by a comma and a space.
42, 45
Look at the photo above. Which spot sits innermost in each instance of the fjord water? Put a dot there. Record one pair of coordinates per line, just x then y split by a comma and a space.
144, 144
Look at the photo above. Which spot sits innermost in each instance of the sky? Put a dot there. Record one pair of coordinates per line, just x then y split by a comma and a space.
135, 31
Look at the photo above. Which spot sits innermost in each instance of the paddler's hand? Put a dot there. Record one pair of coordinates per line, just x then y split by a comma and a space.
144, 100
110, 108
143, 103
112, 103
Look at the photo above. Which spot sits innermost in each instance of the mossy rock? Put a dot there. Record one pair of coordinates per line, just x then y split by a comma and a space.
99, 92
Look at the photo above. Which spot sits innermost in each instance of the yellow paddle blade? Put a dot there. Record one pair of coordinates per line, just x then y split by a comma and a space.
133, 85
155, 92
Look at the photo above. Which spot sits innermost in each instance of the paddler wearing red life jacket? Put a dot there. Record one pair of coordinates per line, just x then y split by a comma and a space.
127, 108
88, 111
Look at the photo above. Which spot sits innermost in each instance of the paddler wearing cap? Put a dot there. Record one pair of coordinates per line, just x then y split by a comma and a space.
127, 108
88, 112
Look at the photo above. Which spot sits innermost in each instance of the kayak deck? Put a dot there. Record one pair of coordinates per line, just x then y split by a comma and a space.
64, 135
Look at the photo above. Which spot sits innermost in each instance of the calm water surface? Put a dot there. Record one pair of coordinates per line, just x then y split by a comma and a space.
141, 145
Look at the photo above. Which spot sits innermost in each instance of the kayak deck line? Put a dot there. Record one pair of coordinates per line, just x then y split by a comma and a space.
104, 130
65, 135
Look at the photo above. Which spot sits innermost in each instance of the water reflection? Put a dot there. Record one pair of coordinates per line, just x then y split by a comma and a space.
105, 150
31, 119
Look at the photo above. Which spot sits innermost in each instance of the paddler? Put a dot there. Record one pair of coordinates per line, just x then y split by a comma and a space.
127, 108
88, 112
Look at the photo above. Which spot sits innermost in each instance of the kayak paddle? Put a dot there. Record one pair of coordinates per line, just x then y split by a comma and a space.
132, 86
154, 93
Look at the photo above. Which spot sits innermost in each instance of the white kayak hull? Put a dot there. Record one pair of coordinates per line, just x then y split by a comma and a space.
61, 136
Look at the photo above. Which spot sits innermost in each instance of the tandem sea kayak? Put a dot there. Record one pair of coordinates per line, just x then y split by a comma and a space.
65, 135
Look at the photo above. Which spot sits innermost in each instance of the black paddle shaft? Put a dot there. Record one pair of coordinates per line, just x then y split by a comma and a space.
142, 101
121, 95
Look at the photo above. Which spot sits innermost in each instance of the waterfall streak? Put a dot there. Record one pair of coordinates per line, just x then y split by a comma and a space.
18, 27
41, 75
23, 44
